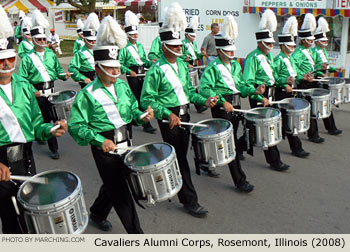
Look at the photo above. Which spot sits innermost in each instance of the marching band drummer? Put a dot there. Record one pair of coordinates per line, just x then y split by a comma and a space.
27, 43
99, 116
83, 65
223, 78
287, 73
156, 48
259, 69
79, 42
20, 123
134, 60
168, 90
18, 32
41, 68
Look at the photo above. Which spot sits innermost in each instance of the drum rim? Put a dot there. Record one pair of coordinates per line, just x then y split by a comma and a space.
335, 78
147, 168
319, 97
58, 204
296, 111
259, 120
209, 137
65, 101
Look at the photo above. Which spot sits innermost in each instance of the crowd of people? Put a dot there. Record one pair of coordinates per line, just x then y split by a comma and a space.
158, 86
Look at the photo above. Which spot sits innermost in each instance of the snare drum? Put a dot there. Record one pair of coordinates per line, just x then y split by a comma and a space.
194, 77
214, 145
297, 112
336, 86
57, 207
267, 126
61, 104
155, 174
320, 102
346, 91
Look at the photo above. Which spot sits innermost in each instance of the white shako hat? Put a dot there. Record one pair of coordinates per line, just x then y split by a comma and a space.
26, 25
6, 31
80, 26
39, 24
226, 39
110, 39
191, 30
131, 23
174, 23
21, 15
308, 27
289, 32
267, 26
321, 30
91, 26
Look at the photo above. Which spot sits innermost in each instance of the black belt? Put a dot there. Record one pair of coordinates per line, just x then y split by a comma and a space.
138, 69
119, 135
18, 157
44, 85
180, 110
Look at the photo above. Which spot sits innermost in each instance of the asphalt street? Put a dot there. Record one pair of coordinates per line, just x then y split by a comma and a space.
311, 197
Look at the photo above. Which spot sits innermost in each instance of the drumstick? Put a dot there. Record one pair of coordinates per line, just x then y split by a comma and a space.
65, 73
47, 95
246, 111
137, 75
302, 90
144, 115
14, 202
320, 80
38, 180
190, 124
56, 127
129, 148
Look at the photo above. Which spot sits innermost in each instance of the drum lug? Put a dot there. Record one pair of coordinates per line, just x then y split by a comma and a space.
150, 200
265, 146
211, 165
318, 115
295, 132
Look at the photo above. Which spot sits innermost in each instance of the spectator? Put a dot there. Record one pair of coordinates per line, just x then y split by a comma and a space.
53, 40
208, 48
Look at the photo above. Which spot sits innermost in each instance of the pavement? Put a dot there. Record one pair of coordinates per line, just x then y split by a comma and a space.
311, 197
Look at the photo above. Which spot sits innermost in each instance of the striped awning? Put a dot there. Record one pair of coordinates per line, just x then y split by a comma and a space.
136, 2
13, 6
299, 11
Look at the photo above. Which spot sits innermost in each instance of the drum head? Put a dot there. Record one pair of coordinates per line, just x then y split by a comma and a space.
148, 155
319, 92
60, 185
334, 80
216, 126
62, 96
294, 104
264, 113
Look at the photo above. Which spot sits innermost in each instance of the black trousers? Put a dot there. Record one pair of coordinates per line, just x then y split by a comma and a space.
294, 141
11, 222
45, 107
237, 174
115, 191
179, 138
329, 123
272, 154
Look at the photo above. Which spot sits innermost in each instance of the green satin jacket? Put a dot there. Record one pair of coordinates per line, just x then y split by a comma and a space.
78, 44
82, 60
127, 59
25, 47
156, 49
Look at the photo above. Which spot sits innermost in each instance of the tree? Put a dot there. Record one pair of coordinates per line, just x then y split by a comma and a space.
85, 6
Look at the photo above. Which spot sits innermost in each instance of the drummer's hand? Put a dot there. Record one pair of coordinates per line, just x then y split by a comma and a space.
308, 77
339, 69
266, 102
61, 130
228, 107
37, 94
290, 80
260, 89
324, 75
4, 172
289, 89
108, 145
174, 120
87, 80
190, 66
150, 115
188, 58
154, 60
211, 102
68, 75
324, 66
133, 74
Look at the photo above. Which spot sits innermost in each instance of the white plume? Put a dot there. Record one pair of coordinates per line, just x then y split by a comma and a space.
194, 22
21, 14
92, 22
175, 18
131, 19
5, 25
268, 21
38, 19
110, 33
80, 24
291, 26
322, 25
230, 29
309, 22
27, 22
165, 10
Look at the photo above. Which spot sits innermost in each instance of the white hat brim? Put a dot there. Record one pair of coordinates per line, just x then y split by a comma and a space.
132, 32
109, 63
6, 54
309, 38
39, 36
173, 42
228, 48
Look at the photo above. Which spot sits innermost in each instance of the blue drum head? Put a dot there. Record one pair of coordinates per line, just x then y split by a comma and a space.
264, 113
294, 104
148, 154
215, 127
60, 185
62, 96
319, 92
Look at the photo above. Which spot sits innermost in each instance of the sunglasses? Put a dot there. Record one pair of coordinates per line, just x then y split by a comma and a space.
269, 43
11, 60
41, 39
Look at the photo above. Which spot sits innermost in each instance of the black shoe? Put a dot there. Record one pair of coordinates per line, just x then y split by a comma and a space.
316, 139
201, 109
55, 155
246, 187
281, 167
196, 211
104, 225
334, 132
241, 157
41, 142
210, 173
149, 129
300, 154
